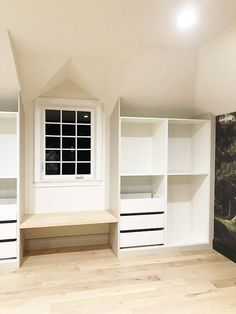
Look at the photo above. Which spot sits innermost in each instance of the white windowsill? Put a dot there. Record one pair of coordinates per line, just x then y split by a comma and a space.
46, 184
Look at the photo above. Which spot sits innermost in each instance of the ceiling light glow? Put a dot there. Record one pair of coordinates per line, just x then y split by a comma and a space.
187, 19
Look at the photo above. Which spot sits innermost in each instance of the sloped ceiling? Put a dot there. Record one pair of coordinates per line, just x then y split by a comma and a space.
111, 48
9, 83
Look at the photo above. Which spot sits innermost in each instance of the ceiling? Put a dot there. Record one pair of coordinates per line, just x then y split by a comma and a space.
99, 41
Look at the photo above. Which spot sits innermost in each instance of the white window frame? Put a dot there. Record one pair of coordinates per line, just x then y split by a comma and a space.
42, 104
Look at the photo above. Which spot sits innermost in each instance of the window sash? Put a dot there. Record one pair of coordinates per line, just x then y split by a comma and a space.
92, 136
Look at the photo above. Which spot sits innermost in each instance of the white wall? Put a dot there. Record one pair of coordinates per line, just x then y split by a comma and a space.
45, 198
160, 81
216, 75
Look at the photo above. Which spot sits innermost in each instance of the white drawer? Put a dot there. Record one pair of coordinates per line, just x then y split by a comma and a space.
136, 222
7, 211
132, 239
7, 231
143, 205
7, 249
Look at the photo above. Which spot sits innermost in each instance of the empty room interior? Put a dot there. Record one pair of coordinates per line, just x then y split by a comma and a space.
117, 156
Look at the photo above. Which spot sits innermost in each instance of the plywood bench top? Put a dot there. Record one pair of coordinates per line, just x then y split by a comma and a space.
67, 219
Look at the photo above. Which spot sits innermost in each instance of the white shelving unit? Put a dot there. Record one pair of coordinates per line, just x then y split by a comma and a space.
9, 186
160, 178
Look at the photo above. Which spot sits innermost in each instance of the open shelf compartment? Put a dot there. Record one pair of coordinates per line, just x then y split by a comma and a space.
8, 144
188, 210
188, 142
143, 146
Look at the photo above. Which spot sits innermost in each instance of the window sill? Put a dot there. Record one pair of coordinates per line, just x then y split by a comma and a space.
53, 184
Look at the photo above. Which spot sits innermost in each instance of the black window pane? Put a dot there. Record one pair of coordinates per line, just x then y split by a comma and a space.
52, 115
68, 116
83, 130
83, 142
68, 142
83, 155
83, 117
84, 168
52, 129
68, 155
52, 142
52, 168
52, 155
68, 168
68, 130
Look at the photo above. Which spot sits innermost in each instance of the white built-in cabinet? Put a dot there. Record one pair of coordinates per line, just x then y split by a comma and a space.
9, 185
160, 182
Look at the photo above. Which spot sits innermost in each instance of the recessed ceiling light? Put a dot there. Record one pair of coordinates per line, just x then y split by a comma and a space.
187, 19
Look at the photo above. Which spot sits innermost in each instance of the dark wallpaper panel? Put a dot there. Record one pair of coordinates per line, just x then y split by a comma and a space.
225, 181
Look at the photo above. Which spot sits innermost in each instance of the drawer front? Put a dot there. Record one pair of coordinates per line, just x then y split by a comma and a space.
7, 212
144, 205
136, 222
7, 231
132, 239
7, 249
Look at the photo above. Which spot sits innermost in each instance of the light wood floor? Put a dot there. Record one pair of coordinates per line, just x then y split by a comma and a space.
97, 282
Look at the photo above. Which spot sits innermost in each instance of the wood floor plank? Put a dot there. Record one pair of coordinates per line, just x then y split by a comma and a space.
96, 282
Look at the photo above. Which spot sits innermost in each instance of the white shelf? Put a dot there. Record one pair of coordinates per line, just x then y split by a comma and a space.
7, 114
186, 121
187, 173
141, 120
8, 201
5, 176
150, 174
190, 239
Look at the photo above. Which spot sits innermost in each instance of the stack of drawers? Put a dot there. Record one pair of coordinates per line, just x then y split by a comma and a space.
8, 229
142, 222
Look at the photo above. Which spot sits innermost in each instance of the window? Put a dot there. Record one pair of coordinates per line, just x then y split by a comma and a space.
70, 139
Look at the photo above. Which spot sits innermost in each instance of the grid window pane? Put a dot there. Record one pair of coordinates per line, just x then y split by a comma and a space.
52, 168
83, 142
68, 116
83, 168
52, 155
53, 142
68, 155
68, 130
83, 117
68, 142
83, 130
52, 115
68, 169
84, 155
53, 129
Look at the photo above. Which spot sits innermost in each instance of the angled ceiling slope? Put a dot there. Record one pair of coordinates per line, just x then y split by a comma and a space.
9, 81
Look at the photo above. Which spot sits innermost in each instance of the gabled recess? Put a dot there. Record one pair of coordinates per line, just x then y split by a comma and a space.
66, 83
67, 89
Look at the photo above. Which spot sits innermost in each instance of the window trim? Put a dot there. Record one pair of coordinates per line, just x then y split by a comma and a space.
43, 103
